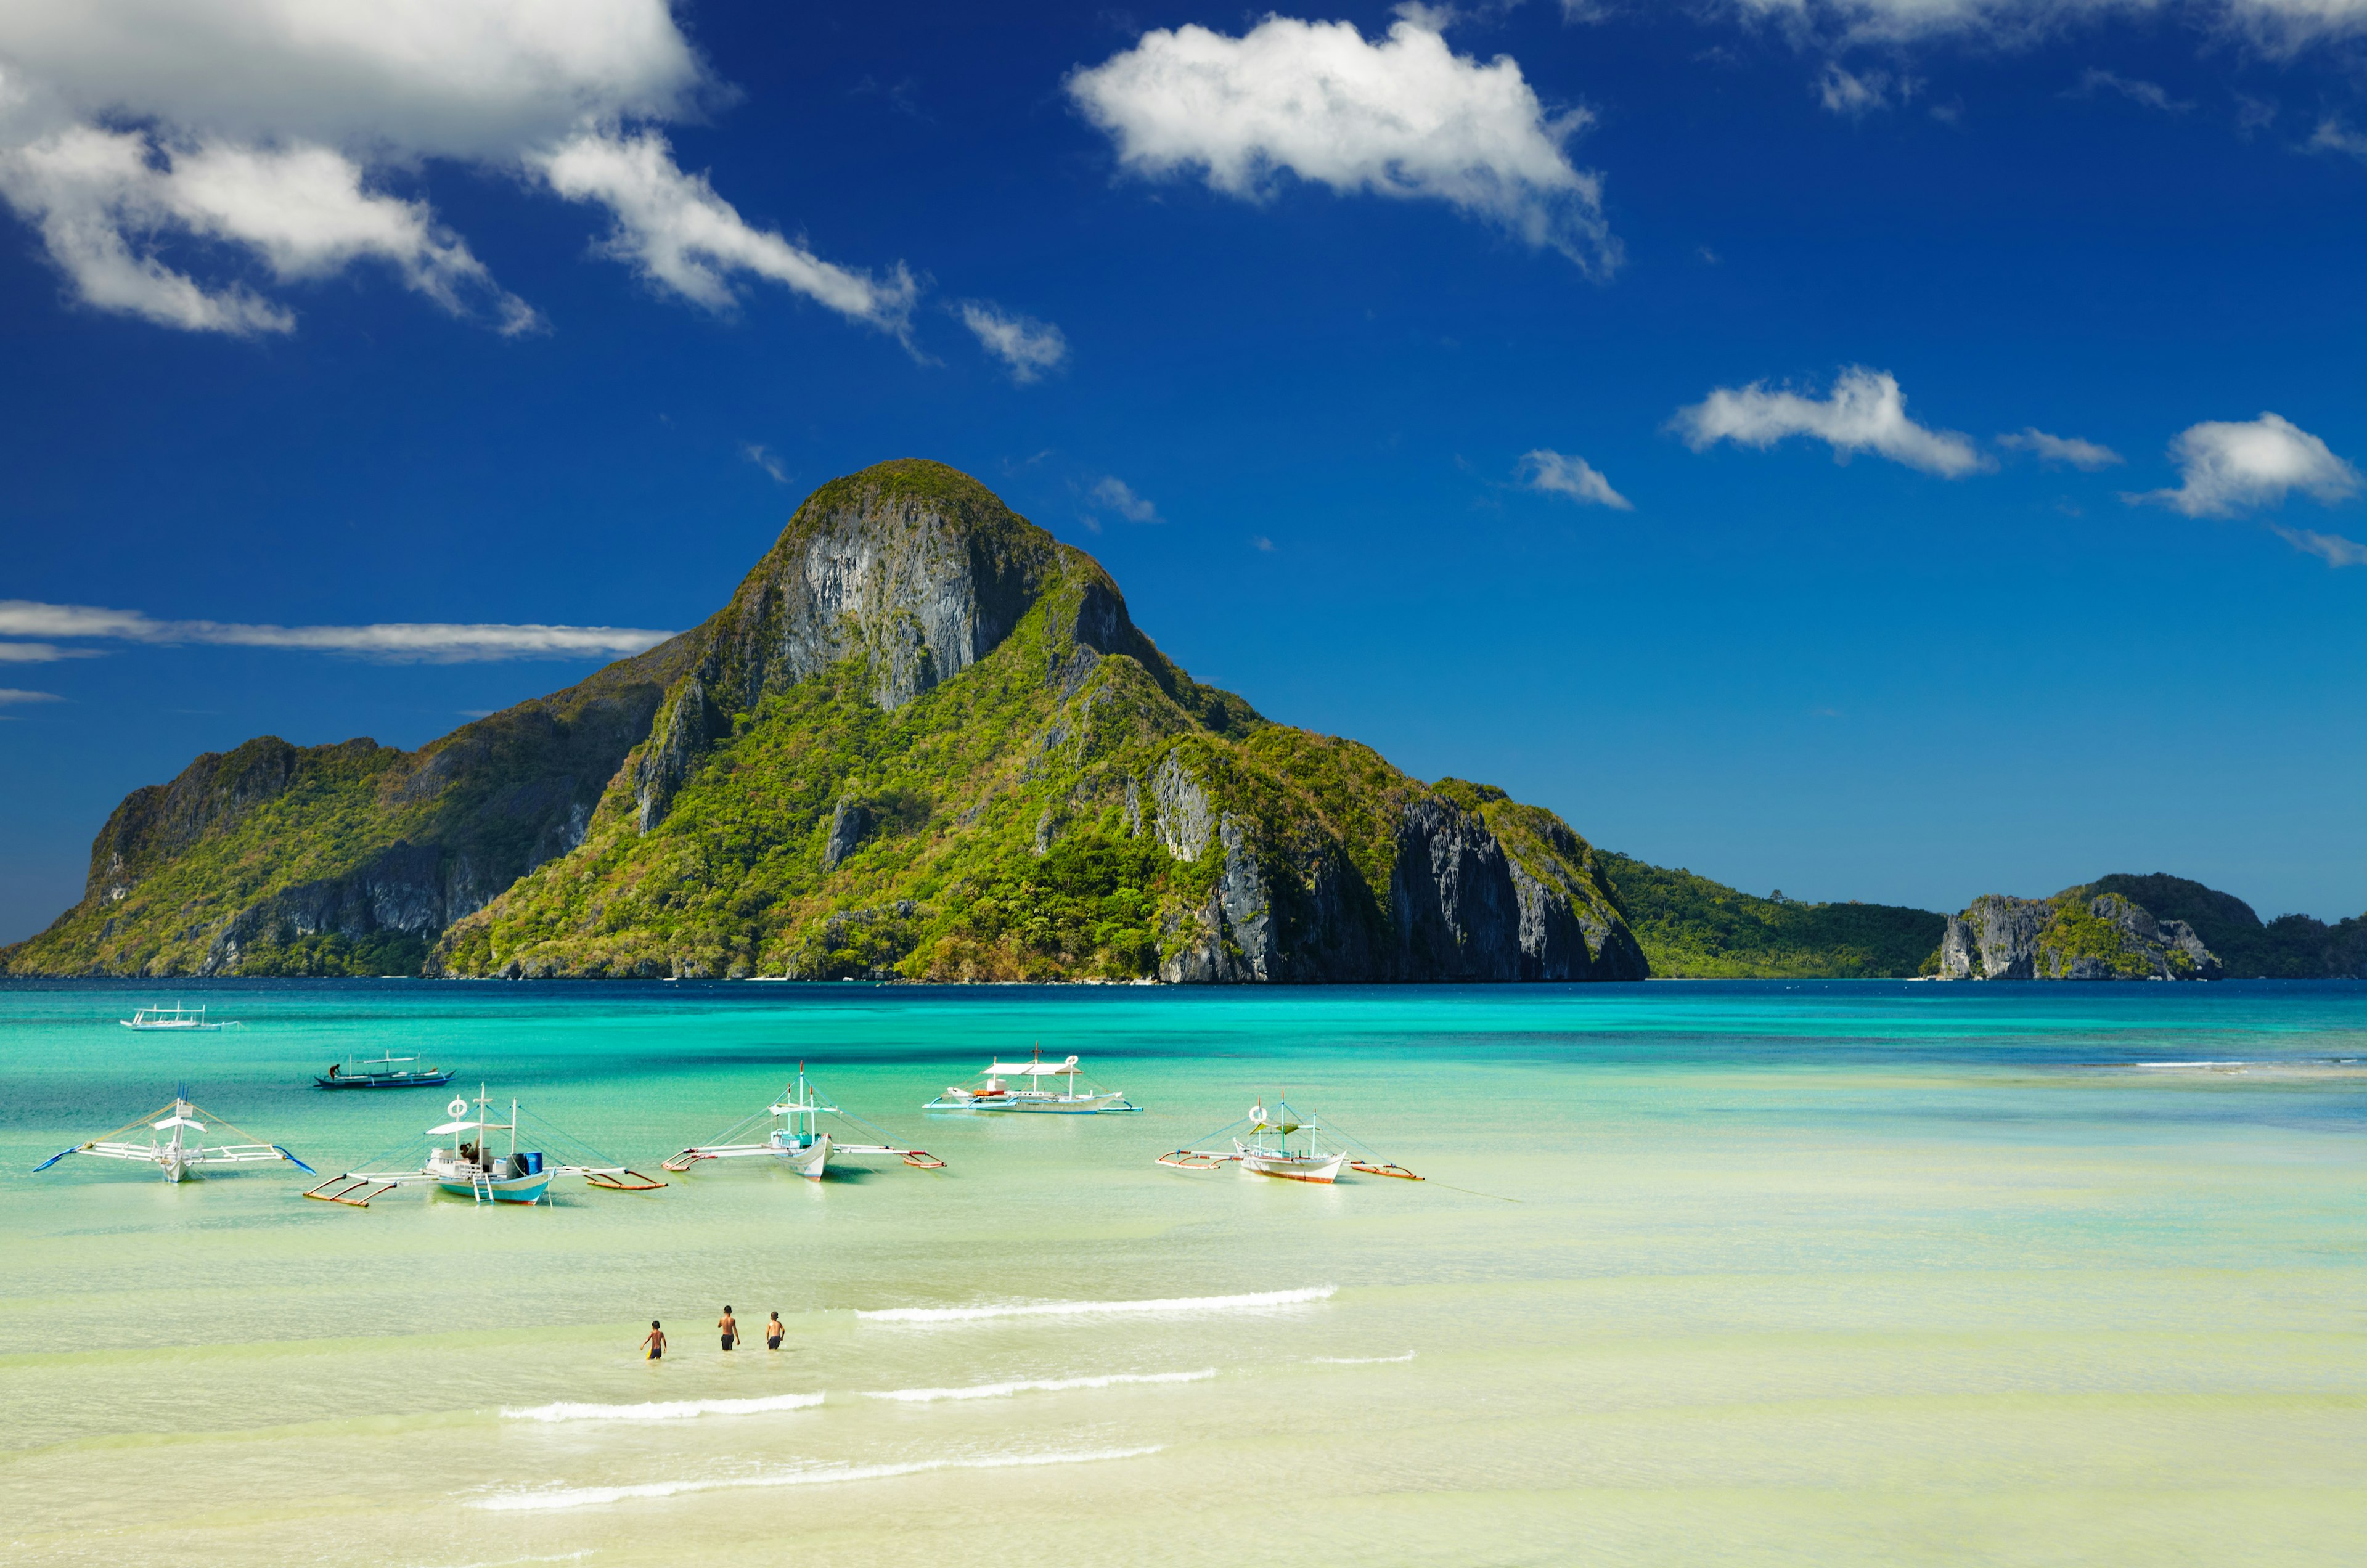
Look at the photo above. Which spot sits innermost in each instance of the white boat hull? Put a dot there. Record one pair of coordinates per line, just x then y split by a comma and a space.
809, 1161
1322, 1169
505, 1190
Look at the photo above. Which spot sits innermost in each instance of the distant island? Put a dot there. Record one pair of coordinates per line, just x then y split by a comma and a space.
924, 740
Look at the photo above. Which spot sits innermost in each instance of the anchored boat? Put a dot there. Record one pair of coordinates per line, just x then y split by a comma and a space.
1039, 1090
797, 1139
1261, 1144
176, 1144
175, 1017
469, 1166
382, 1072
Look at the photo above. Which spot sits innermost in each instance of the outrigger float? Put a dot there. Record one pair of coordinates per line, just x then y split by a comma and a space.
382, 1072
1263, 1145
996, 1093
470, 1167
796, 1138
171, 1147
178, 1019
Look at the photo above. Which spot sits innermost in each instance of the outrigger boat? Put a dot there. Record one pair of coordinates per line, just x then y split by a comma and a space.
176, 1018
996, 1094
1263, 1146
382, 1072
171, 1147
797, 1139
470, 1167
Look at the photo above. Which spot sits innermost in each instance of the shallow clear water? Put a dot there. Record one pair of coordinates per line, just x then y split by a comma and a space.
1832, 1273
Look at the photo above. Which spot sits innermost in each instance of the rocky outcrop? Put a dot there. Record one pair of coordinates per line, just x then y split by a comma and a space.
2076, 935
850, 819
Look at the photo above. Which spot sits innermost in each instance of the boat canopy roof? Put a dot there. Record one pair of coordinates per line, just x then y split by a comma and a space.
1032, 1069
468, 1127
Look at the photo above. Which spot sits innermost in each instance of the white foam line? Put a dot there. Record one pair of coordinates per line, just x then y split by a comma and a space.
1044, 1386
1362, 1360
2196, 1063
821, 1475
1085, 1309
663, 1410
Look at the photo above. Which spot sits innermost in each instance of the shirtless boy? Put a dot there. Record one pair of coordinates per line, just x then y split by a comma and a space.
773, 1331
729, 1326
655, 1341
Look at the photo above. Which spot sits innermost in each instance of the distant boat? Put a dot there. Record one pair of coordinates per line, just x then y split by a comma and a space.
382, 1072
172, 1148
796, 1138
175, 1017
470, 1166
1264, 1148
996, 1094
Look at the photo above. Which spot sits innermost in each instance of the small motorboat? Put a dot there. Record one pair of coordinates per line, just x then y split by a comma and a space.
1263, 1146
796, 1140
382, 1072
177, 1145
994, 1091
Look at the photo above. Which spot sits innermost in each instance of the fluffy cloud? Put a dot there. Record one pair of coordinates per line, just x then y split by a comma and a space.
429, 642
2065, 449
2226, 466
1864, 412
1402, 117
271, 128
1029, 347
1560, 473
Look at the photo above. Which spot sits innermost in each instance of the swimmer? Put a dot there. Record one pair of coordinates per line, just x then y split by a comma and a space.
728, 1324
773, 1331
655, 1342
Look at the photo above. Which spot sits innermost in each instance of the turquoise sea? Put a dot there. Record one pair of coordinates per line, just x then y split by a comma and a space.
1817, 1273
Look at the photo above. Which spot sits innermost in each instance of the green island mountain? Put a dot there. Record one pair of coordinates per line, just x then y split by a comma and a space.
923, 740
1697, 929
2156, 926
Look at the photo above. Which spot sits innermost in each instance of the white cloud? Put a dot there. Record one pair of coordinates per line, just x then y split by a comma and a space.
765, 460
40, 653
2333, 135
1865, 412
2151, 94
1857, 95
2067, 449
264, 131
2331, 548
1119, 497
1028, 346
2227, 466
9, 695
432, 642
1403, 117
683, 237
2274, 27
1559, 473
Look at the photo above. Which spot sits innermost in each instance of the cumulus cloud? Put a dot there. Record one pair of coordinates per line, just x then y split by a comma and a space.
2331, 548
1402, 117
2060, 449
1027, 347
1119, 497
1560, 473
682, 237
425, 642
2227, 466
148, 141
1864, 412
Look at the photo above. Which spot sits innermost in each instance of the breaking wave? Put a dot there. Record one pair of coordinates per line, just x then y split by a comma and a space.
661, 1410
561, 1498
1250, 1303
1038, 1386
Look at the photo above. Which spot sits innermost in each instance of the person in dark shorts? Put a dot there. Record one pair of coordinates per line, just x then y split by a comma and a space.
655, 1343
729, 1326
773, 1331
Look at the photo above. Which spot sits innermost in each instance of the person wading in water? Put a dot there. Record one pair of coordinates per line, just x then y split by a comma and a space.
773, 1331
655, 1341
729, 1326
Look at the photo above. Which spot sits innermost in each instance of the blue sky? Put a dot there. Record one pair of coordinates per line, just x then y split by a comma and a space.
1718, 423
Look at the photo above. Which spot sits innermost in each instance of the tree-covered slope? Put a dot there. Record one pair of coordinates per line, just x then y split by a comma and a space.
1690, 926
2291, 947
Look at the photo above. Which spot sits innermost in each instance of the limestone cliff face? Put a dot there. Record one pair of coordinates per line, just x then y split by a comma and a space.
923, 739
2076, 935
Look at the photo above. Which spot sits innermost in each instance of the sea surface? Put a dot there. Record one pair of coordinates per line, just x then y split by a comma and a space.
1831, 1273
